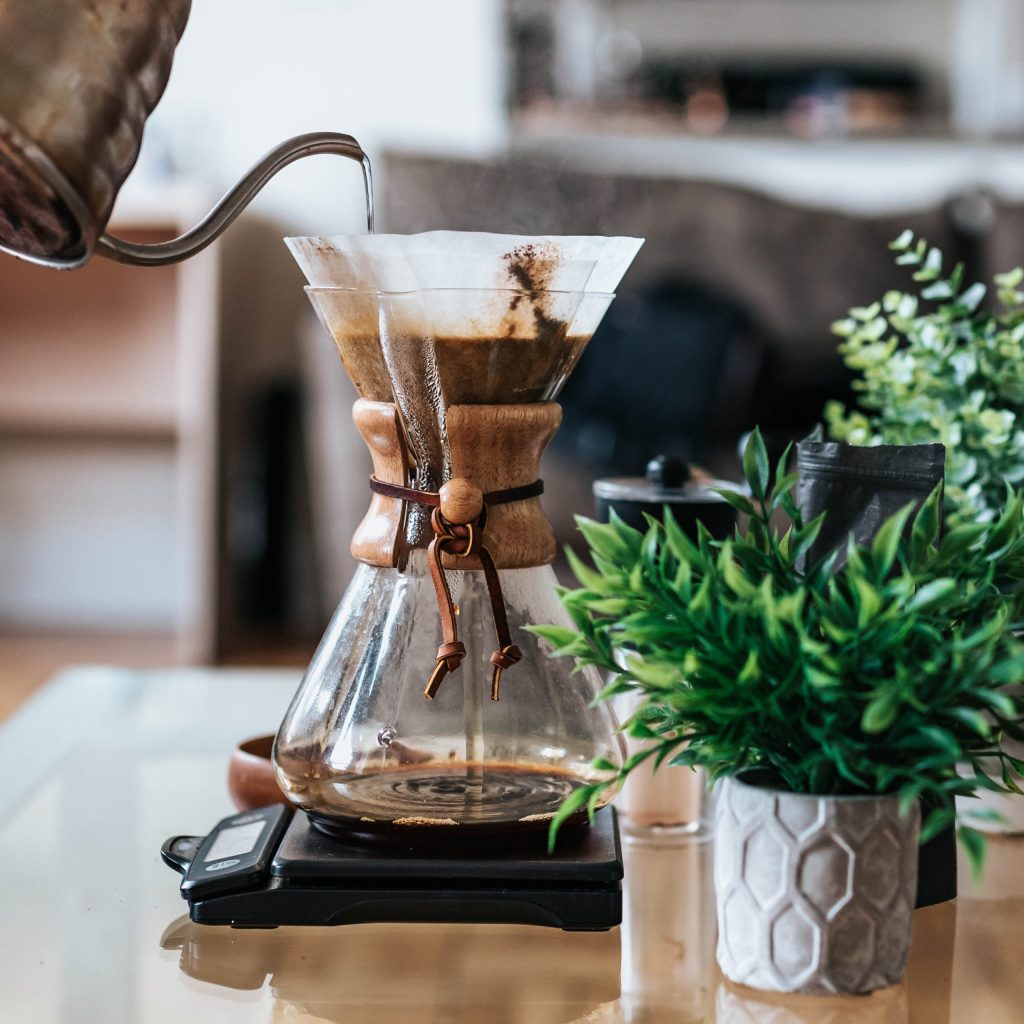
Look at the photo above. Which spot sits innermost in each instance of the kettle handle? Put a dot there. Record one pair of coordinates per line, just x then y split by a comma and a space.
237, 198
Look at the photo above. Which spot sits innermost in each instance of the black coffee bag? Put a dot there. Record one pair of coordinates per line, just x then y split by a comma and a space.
861, 487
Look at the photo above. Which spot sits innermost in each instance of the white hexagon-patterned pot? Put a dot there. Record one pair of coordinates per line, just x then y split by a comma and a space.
814, 893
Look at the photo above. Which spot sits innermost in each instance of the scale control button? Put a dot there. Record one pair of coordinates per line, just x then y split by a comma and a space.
223, 865
235, 856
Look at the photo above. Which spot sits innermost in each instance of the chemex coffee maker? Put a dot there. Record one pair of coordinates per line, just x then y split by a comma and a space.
432, 740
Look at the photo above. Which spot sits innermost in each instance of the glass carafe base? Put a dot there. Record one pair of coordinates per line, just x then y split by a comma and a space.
364, 752
441, 801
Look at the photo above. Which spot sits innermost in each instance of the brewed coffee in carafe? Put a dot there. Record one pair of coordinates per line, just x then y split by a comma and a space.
429, 709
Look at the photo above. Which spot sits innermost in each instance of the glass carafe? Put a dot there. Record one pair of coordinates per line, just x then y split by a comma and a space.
388, 735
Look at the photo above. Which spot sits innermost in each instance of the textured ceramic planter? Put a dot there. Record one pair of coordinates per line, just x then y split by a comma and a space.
814, 894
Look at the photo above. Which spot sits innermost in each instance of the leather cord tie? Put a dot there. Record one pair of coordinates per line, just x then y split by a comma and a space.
461, 501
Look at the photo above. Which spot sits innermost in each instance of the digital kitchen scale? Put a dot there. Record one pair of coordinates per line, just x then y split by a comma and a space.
270, 867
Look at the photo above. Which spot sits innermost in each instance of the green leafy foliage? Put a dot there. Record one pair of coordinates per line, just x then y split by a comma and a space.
932, 366
880, 677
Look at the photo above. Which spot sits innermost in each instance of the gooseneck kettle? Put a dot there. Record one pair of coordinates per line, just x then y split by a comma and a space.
77, 82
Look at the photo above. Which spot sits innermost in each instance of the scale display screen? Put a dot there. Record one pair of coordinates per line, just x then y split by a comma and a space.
234, 841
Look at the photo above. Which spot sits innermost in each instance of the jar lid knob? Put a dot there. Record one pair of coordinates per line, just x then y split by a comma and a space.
668, 472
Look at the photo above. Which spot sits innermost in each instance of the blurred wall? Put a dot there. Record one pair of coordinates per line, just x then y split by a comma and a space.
248, 75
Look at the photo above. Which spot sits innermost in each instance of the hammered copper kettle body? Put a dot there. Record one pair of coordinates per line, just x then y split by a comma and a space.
77, 82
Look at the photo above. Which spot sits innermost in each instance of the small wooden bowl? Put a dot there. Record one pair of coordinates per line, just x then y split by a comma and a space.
251, 780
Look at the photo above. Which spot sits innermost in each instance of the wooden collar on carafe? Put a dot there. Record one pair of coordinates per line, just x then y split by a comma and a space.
486, 516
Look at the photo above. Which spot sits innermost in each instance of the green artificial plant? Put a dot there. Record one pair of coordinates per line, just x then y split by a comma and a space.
932, 365
881, 676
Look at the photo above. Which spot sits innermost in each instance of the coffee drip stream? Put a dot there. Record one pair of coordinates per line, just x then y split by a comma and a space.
458, 345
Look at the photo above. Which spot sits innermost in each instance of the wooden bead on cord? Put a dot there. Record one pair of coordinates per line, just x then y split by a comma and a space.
461, 501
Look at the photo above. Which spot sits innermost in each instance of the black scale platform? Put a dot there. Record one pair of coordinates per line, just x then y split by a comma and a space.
270, 867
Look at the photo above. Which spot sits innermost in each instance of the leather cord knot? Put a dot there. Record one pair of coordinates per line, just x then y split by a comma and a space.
501, 660
464, 540
449, 658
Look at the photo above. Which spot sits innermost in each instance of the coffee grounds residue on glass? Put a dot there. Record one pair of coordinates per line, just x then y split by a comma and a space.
531, 268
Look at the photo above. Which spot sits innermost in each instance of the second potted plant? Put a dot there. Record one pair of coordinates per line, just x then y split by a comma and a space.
937, 363
832, 702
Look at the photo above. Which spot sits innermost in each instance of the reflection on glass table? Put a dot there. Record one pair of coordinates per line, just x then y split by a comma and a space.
409, 973
103, 765
666, 973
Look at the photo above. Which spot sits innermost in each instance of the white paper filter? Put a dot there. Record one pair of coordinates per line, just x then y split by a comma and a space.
463, 259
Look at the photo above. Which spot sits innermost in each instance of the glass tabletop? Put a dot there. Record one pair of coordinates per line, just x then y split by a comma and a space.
104, 764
